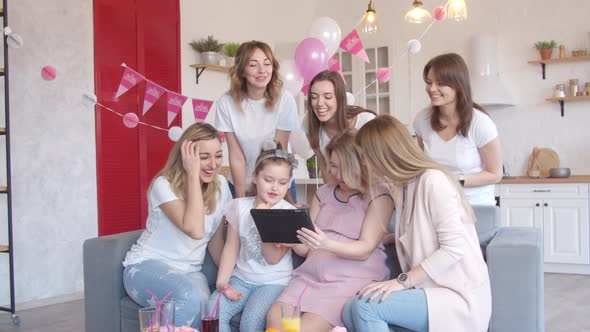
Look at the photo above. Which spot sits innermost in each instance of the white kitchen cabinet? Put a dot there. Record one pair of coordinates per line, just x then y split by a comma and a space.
561, 212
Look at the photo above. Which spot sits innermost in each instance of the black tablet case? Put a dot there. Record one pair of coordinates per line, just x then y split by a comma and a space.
280, 225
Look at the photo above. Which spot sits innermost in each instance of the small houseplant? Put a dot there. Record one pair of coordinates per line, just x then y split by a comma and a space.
208, 48
230, 49
545, 48
313, 167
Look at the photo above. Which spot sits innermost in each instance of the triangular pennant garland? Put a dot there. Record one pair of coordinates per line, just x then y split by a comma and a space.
175, 102
129, 79
353, 44
201, 109
153, 92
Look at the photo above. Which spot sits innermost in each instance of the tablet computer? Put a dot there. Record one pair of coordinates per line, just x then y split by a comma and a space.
281, 225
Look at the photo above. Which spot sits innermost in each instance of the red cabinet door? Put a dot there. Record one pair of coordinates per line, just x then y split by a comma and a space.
144, 34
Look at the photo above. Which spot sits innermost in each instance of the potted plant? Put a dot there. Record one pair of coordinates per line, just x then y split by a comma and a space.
208, 48
545, 48
230, 49
313, 167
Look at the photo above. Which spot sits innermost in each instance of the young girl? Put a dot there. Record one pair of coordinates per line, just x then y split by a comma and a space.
345, 253
186, 201
261, 269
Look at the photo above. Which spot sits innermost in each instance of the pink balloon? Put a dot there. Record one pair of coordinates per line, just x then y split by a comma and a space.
311, 57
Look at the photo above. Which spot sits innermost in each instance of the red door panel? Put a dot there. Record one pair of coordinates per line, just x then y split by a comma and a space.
127, 159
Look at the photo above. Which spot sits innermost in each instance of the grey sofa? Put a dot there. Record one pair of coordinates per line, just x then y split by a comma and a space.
514, 258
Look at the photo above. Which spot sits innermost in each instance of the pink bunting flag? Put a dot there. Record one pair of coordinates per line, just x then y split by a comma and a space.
201, 109
153, 92
353, 44
129, 79
175, 102
333, 63
305, 87
383, 74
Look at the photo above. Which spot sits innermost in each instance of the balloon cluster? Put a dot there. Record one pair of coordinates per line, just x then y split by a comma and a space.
311, 55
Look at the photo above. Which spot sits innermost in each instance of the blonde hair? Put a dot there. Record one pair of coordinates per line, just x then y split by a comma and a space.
238, 89
354, 174
391, 151
261, 163
175, 173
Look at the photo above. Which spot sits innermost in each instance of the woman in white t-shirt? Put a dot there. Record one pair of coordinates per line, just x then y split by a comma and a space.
328, 115
458, 133
185, 207
254, 109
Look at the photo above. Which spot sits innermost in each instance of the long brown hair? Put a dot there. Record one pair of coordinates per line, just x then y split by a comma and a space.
343, 111
450, 69
238, 86
391, 152
175, 173
354, 174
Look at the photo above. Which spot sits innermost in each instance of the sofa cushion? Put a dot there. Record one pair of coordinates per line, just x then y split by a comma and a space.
487, 223
129, 315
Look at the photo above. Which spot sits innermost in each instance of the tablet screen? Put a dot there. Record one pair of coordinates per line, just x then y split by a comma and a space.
281, 225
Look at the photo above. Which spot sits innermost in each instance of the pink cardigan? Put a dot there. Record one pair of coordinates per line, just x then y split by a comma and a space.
441, 237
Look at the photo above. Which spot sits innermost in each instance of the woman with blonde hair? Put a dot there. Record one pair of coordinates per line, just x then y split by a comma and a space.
444, 285
255, 109
186, 200
346, 251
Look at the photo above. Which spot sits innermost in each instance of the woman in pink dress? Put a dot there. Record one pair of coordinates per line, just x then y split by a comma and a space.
346, 251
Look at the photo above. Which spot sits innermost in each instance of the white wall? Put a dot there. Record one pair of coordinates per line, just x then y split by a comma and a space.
53, 149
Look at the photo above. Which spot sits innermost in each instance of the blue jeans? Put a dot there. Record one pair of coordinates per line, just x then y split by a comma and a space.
188, 289
292, 191
407, 309
254, 305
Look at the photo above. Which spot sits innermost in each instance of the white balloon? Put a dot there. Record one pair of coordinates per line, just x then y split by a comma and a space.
300, 144
414, 46
350, 99
174, 133
292, 80
327, 30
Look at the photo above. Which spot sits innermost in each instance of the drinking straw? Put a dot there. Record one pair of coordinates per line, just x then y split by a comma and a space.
159, 307
217, 302
299, 300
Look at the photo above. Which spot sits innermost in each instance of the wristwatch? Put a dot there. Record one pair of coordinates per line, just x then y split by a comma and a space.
404, 279
461, 177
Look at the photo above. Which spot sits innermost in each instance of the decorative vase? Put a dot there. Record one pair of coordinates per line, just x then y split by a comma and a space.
546, 53
210, 58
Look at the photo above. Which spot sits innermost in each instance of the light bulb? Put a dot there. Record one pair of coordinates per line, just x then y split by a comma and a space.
418, 14
457, 10
370, 19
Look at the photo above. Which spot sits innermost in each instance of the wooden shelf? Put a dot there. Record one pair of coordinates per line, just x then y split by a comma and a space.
2, 131
3, 190
199, 68
563, 100
1, 71
4, 248
559, 60
1, 11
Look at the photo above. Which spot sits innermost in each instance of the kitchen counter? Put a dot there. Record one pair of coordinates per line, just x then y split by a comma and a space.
529, 180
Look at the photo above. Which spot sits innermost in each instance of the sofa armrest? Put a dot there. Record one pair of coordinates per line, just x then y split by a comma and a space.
103, 280
515, 264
